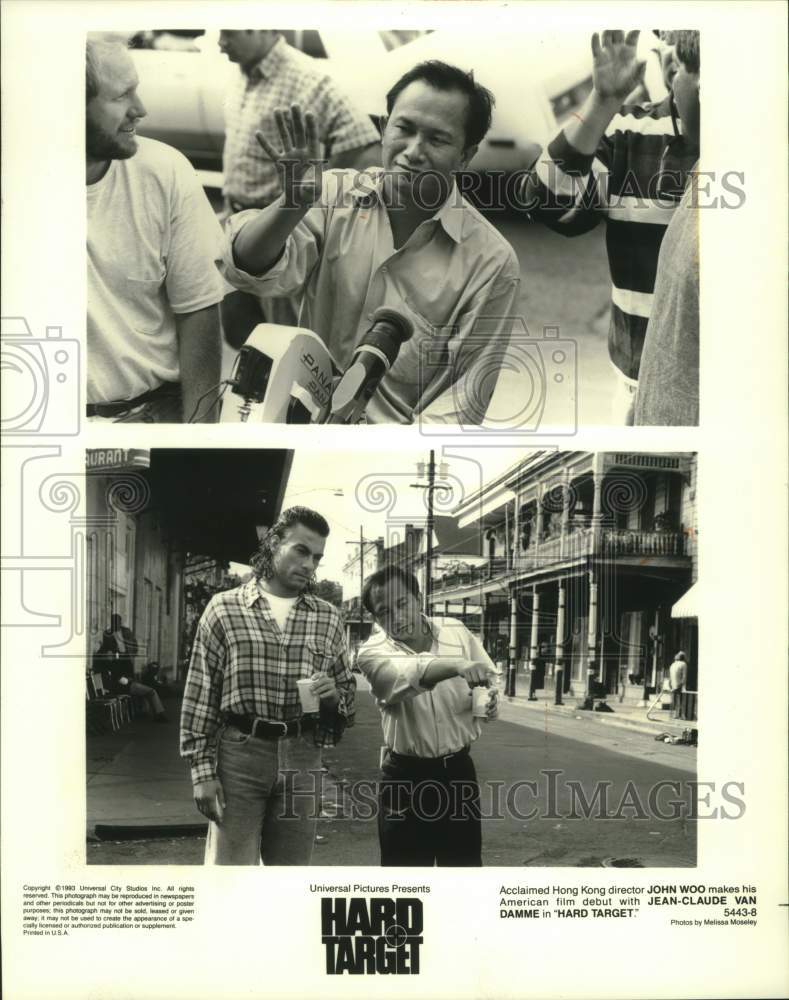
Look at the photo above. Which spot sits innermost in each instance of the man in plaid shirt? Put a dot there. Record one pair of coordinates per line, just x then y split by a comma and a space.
255, 755
272, 74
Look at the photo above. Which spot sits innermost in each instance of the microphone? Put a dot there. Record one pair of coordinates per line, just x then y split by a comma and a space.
371, 360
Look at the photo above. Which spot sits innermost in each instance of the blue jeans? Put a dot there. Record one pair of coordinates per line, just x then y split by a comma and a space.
272, 795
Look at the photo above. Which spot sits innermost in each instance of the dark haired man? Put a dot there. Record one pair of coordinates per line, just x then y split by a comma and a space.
626, 164
116, 655
345, 243
422, 671
668, 387
255, 757
153, 242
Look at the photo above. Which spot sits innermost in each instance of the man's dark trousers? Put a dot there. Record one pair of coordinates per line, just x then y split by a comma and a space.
429, 812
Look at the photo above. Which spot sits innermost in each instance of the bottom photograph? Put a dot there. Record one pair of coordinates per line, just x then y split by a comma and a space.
463, 658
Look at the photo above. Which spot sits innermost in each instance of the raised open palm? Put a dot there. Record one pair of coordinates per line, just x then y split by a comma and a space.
299, 160
616, 69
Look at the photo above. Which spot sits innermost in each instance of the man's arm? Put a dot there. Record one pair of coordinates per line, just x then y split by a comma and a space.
396, 677
200, 359
261, 242
560, 179
337, 691
200, 714
616, 70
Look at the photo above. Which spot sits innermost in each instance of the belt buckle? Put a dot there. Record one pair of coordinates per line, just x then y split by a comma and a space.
284, 729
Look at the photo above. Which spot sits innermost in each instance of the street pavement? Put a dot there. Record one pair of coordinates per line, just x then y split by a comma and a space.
138, 794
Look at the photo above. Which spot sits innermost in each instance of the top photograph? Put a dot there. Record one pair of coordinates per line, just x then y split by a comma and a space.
481, 232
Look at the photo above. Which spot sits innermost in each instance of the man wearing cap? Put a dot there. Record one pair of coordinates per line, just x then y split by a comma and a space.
255, 755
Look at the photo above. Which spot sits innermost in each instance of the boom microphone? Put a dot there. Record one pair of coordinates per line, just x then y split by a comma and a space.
371, 360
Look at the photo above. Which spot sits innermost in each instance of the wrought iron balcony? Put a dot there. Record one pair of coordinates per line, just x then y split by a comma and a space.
578, 543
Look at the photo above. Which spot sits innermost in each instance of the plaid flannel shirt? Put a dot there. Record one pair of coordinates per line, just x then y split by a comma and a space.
283, 77
242, 663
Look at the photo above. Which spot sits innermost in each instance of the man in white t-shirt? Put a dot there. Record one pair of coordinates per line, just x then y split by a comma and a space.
154, 350
254, 750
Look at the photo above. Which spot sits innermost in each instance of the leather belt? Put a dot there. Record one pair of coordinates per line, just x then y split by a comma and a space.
426, 763
262, 729
123, 405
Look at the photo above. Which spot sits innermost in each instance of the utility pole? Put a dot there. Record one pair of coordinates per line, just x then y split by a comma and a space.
431, 486
361, 543
431, 481
361, 580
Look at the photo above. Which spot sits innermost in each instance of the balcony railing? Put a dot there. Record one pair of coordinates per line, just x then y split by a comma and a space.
643, 543
576, 544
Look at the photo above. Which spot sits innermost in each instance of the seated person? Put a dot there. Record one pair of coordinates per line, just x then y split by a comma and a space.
343, 243
116, 655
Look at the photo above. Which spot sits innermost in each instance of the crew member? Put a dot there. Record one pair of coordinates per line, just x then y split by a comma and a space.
273, 74
668, 387
153, 242
627, 165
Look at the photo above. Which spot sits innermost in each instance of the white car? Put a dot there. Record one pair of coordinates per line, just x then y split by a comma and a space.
538, 79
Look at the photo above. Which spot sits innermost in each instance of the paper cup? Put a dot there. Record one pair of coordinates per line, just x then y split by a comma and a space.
480, 700
309, 701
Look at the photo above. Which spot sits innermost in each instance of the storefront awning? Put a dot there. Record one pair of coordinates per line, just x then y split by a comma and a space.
687, 605
214, 500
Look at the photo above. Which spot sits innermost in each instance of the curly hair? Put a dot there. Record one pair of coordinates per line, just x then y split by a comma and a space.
262, 560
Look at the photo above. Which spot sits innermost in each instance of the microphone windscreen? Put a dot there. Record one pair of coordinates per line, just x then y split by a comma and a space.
388, 332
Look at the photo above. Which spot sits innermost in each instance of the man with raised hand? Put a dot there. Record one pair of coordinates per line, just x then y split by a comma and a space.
627, 165
345, 243
254, 752
422, 672
154, 351
272, 74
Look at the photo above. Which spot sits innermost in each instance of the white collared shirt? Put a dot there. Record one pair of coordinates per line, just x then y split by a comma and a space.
456, 279
418, 720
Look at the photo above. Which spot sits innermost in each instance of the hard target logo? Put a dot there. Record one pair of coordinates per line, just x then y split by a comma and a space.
371, 936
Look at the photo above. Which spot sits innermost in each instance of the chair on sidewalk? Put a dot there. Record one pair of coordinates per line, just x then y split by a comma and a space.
117, 709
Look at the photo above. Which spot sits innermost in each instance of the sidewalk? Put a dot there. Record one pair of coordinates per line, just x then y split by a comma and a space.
137, 783
621, 714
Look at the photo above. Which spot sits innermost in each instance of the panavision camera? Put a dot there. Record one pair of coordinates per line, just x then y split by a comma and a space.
285, 374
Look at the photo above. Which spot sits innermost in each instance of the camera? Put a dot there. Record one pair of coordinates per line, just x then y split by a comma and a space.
41, 380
